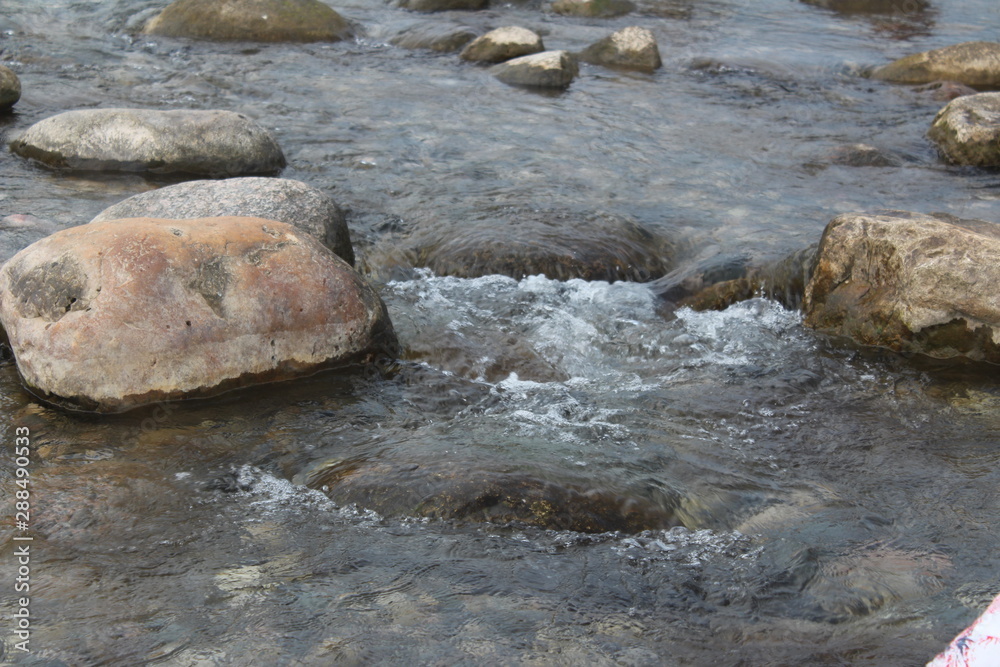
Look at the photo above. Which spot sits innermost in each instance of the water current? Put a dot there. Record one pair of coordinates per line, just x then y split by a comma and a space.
791, 499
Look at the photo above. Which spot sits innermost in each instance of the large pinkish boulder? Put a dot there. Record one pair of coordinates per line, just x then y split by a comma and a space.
112, 315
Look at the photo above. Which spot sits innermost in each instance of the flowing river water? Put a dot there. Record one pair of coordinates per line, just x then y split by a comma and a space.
796, 500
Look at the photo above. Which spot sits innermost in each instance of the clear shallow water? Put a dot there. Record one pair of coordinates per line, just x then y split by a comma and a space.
808, 502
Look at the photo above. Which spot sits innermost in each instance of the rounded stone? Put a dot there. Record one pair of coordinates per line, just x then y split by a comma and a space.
208, 143
280, 199
593, 8
909, 282
10, 88
519, 242
443, 38
502, 44
971, 63
112, 315
548, 69
251, 20
967, 130
630, 48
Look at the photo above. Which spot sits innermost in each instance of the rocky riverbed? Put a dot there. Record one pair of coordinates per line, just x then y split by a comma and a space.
562, 462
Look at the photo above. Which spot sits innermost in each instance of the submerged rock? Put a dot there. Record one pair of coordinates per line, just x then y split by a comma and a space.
10, 88
971, 63
871, 6
593, 8
909, 282
502, 44
434, 36
946, 91
251, 20
457, 490
18, 231
548, 69
629, 48
783, 281
209, 143
440, 5
112, 315
864, 155
519, 242
280, 199
967, 130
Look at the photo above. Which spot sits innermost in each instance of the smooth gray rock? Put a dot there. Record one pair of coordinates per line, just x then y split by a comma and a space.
209, 143
967, 130
630, 48
971, 63
281, 199
549, 69
251, 20
435, 36
10, 88
502, 44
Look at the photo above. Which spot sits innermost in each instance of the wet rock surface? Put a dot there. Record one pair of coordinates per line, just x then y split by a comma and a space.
784, 281
446, 490
593, 8
108, 316
10, 88
251, 20
630, 48
208, 143
503, 44
548, 69
440, 5
435, 36
519, 242
870, 6
909, 282
969, 63
864, 155
967, 130
281, 199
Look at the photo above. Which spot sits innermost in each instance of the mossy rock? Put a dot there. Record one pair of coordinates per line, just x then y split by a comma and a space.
251, 21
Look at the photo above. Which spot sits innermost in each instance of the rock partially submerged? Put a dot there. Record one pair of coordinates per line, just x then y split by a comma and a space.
783, 281
456, 490
630, 48
10, 88
909, 282
251, 20
502, 44
109, 316
967, 130
518, 242
440, 5
593, 8
435, 36
208, 143
871, 6
971, 63
548, 69
279, 199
